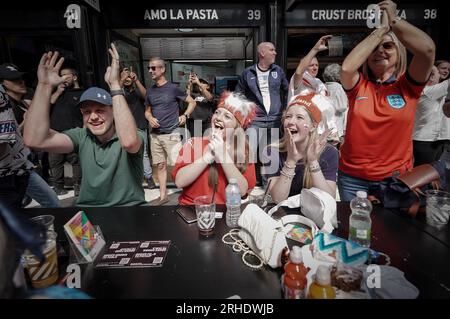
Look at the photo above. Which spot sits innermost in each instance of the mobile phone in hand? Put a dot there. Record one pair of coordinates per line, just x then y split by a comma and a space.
187, 213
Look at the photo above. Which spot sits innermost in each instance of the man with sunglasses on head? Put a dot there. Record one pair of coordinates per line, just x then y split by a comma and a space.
162, 112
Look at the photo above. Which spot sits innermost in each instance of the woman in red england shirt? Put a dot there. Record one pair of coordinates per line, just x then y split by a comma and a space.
209, 162
382, 102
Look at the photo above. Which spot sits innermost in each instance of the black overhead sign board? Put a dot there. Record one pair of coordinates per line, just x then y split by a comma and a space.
210, 15
339, 15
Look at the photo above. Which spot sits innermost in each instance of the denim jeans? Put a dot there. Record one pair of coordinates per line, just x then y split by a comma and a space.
39, 190
12, 189
260, 135
147, 165
348, 186
57, 161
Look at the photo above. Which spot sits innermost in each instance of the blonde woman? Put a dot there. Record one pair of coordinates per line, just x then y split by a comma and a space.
382, 103
208, 163
305, 158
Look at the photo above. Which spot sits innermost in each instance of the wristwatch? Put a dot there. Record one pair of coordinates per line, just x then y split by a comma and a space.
116, 92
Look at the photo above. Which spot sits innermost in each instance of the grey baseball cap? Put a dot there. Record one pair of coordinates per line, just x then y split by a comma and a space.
96, 94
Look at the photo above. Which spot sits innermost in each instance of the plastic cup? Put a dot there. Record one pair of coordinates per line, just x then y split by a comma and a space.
438, 208
206, 215
46, 273
256, 196
45, 220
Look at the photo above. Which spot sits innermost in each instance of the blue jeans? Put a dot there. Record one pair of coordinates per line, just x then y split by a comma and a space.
147, 165
39, 190
260, 135
348, 186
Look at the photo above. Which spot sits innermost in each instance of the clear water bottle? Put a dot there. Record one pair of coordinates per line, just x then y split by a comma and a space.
233, 196
360, 223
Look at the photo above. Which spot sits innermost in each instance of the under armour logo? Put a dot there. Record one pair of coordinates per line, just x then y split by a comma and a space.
73, 16
100, 96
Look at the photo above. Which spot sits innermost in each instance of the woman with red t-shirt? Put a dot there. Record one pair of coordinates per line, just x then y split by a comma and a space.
382, 102
208, 163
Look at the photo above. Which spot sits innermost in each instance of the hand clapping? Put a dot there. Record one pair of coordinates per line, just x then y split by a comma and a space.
112, 76
48, 69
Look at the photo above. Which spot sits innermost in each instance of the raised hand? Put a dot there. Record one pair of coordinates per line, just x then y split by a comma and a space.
390, 8
220, 148
48, 69
112, 76
293, 154
321, 45
133, 76
317, 146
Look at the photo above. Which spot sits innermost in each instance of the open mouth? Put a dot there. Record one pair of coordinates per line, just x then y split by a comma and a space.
218, 126
293, 131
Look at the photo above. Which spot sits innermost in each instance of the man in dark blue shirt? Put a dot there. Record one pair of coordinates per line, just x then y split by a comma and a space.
162, 112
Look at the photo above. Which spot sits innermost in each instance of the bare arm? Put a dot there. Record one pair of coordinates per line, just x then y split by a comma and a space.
189, 173
191, 106
139, 85
356, 58
304, 63
204, 92
123, 119
41, 137
415, 40
446, 109
154, 123
57, 93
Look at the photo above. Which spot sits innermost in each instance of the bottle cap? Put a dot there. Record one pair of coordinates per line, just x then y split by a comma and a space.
233, 180
361, 194
296, 255
323, 276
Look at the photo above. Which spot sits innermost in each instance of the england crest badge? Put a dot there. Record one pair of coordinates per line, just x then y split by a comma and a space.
396, 101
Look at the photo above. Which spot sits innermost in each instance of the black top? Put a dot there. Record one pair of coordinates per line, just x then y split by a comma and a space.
65, 113
204, 109
136, 104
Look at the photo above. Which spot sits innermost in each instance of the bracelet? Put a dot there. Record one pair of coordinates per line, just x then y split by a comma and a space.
287, 174
290, 167
187, 116
314, 168
116, 92
395, 20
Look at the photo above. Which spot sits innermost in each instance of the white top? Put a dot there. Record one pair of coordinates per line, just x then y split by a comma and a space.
339, 101
430, 123
263, 81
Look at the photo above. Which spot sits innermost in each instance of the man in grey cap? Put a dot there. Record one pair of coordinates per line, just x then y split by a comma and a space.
109, 145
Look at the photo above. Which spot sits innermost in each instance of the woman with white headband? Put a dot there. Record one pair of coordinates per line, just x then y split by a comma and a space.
207, 164
304, 158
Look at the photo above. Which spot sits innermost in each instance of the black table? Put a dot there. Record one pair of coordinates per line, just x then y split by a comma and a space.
198, 267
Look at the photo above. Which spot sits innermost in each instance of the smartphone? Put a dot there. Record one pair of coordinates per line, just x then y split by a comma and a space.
187, 213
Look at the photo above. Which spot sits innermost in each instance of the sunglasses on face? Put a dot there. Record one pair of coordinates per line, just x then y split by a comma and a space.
388, 46
153, 68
